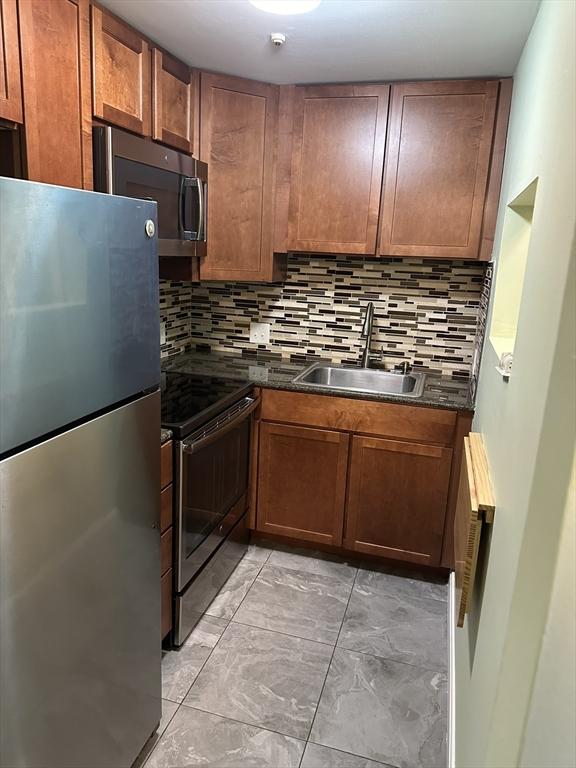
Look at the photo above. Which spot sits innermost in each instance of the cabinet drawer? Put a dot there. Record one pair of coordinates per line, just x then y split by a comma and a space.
166, 550
166, 602
408, 422
166, 464
166, 508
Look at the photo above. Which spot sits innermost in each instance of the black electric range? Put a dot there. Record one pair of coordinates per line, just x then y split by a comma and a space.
211, 420
190, 400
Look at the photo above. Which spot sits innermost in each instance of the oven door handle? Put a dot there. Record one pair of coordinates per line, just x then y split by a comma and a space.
222, 428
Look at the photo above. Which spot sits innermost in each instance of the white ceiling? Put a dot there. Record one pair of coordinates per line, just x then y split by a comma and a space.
342, 40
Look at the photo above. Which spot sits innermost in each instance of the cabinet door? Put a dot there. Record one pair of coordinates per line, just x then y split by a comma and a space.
397, 494
55, 50
237, 136
437, 163
174, 109
302, 482
337, 156
120, 73
10, 83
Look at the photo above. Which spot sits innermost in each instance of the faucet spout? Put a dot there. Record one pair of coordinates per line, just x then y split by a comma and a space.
367, 334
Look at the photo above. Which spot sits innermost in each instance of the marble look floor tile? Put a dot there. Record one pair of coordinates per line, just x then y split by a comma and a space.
169, 709
313, 562
316, 756
296, 602
199, 738
383, 710
233, 592
263, 678
256, 554
398, 627
397, 583
180, 668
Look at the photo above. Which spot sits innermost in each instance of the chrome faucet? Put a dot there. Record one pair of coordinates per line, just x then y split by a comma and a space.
367, 334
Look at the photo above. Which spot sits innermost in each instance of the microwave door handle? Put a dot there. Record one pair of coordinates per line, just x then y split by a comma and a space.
201, 229
185, 184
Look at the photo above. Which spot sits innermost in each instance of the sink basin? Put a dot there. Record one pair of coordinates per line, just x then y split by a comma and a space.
367, 380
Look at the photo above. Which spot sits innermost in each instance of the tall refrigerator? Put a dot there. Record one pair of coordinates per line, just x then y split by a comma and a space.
79, 477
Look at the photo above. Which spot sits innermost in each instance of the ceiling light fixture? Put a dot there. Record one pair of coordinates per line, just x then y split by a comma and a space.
286, 7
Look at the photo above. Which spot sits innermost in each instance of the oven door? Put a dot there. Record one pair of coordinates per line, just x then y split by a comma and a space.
213, 478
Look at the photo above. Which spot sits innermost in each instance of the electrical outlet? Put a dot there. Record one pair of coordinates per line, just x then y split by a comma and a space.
260, 333
162, 333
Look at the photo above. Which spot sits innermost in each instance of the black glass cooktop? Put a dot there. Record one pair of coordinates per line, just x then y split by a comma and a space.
189, 400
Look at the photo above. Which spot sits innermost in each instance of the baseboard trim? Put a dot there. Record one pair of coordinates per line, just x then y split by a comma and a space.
452, 671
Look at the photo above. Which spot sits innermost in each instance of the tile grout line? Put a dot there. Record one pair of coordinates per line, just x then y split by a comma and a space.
436, 670
330, 663
161, 736
228, 622
352, 754
284, 634
241, 722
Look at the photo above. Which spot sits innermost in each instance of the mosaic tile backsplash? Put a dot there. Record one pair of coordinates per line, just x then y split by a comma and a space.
425, 312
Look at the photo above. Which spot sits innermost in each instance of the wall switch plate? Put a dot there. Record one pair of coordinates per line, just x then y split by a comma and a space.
162, 333
260, 333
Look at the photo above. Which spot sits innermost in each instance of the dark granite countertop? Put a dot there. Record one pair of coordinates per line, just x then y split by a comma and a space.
275, 372
165, 435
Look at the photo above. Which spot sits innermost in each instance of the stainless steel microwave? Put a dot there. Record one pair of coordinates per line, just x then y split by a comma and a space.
133, 167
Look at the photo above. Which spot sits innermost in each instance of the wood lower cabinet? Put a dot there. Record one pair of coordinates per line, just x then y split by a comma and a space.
302, 482
166, 552
437, 164
120, 73
377, 478
55, 51
175, 105
166, 603
10, 80
396, 503
237, 140
336, 174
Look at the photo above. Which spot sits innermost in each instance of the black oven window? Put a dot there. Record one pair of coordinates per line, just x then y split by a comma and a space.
213, 480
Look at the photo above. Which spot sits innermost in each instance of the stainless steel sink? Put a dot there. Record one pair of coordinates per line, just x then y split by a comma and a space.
367, 380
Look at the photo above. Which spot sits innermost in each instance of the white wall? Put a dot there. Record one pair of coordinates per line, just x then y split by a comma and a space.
527, 423
551, 740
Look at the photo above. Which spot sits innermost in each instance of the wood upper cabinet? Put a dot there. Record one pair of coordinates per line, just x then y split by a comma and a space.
302, 482
55, 51
336, 175
437, 165
237, 140
175, 107
10, 81
120, 73
397, 494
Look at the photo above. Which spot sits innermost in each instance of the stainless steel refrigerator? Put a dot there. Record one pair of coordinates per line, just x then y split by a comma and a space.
79, 477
